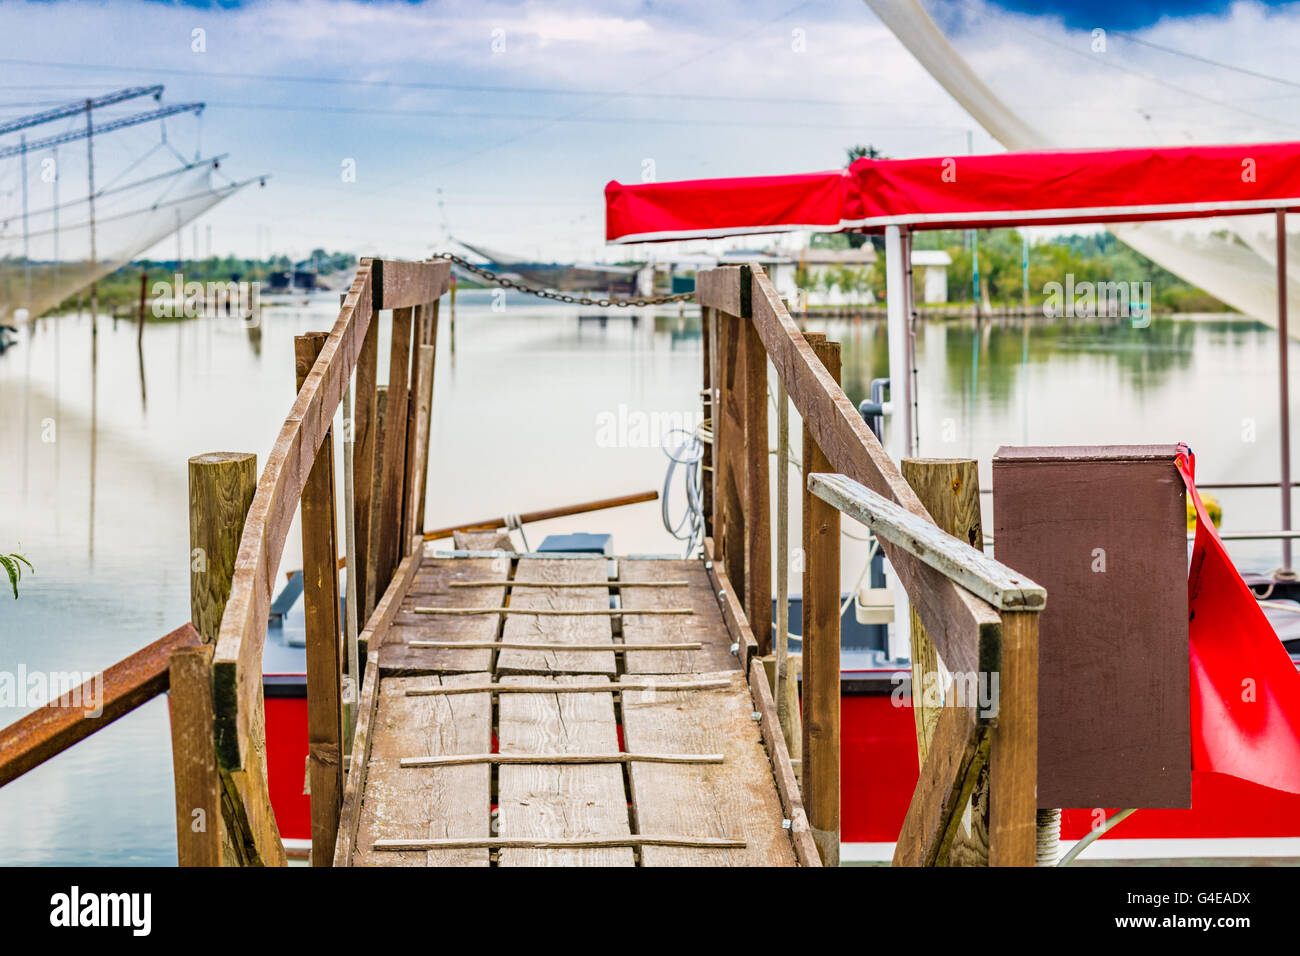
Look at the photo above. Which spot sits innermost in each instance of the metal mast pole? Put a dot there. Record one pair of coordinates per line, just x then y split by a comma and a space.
94, 254
27, 255
1284, 385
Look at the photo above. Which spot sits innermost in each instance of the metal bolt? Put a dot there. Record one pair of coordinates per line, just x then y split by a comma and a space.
756, 716
735, 649
785, 824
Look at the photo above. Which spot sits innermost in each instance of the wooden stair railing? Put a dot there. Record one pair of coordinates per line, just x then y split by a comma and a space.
745, 325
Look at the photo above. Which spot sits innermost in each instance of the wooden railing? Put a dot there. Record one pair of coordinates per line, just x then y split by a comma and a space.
239, 526
746, 325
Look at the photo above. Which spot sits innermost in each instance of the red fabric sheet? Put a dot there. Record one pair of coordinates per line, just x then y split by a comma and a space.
1062, 186
1245, 689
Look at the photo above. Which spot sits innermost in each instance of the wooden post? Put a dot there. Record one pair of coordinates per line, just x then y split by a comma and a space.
710, 415
139, 318
821, 642
781, 668
221, 488
949, 489
364, 435
431, 339
1013, 753
321, 609
757, 501
392, 547
374, 561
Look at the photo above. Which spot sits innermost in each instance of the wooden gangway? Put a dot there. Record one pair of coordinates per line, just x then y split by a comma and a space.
484, 738
480, 707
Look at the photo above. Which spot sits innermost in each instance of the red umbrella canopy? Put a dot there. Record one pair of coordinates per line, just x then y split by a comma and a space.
942, 192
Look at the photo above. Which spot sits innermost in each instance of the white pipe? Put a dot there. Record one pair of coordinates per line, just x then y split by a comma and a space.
900, 401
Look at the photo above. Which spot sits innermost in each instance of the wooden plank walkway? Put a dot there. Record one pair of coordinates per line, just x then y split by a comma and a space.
551, 777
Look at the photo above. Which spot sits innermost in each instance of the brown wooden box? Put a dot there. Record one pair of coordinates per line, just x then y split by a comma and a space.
1114, 725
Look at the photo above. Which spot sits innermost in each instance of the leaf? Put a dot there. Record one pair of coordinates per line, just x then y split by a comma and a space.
12, 564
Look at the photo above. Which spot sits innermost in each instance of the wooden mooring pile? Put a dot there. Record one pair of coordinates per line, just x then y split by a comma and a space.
488, 707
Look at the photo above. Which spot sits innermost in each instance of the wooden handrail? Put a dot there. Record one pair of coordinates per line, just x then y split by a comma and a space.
237, 661
49, 730
949, 584
1003, 587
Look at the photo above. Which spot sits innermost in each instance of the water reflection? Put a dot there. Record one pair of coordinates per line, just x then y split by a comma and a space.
99, 501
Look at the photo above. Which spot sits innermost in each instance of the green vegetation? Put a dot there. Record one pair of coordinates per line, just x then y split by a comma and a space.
13, 565
1097, 257
121, 289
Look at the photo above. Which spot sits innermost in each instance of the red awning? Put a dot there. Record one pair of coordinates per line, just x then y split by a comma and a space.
1002, 189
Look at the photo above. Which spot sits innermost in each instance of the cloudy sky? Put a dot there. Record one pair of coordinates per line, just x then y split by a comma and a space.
501, 122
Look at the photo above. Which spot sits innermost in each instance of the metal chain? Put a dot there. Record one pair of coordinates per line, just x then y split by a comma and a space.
606, 303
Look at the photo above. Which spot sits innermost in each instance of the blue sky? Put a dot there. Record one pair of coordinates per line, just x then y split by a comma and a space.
501, 122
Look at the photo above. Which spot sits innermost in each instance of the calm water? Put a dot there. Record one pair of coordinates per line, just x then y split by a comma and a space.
94, 445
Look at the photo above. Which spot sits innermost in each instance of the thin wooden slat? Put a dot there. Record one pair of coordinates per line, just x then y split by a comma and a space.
321, 614
194, 761
375, 586
820, 747
558, 758
612, 585
399, 657
527, 646
554, 612
1013, 753
559, 843
561, 802
36, 737
706, 396
552, 628
401, 285
546, 688
447, 802
736, 800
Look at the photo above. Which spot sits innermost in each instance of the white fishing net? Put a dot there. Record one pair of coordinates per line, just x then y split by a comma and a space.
142, 196
999, 66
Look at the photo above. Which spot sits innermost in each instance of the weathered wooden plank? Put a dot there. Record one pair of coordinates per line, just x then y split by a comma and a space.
1013, 752
554, 843
758, 522
958, 751
734, 800
401, 803
403, 285
560, 801
417, 435
820, 744
355, 781
430, 585
722, 289
590, 629
541, 686
704, 625
375, 587
237, 671
363, 434
77, 712
707, 347
397, 397
1003, 587
787, 783
194, 760
221, 489
733, 615
321, 614
558, 758
947, 610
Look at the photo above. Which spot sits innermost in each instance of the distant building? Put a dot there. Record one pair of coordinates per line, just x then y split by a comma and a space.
779, 267
838, 276
935, 263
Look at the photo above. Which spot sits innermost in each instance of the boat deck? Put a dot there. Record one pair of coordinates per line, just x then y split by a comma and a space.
477, 748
